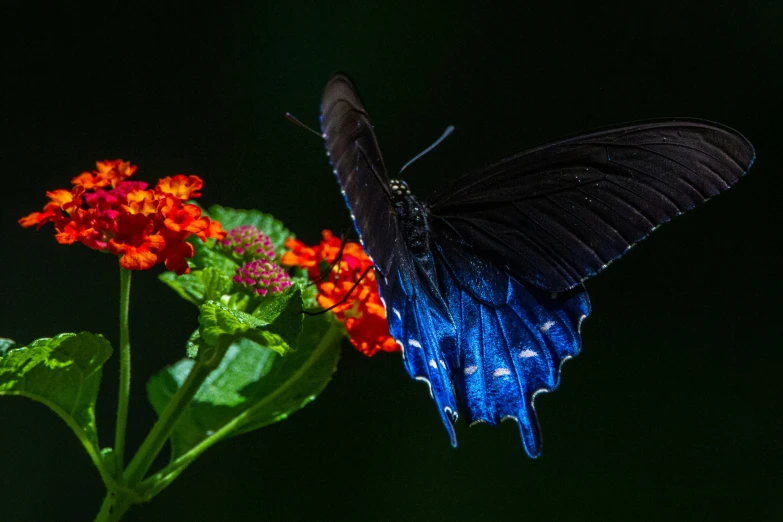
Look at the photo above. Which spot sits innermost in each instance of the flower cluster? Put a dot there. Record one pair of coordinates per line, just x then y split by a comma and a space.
247, 243
262, 276
358, 306
144, 227
255, 250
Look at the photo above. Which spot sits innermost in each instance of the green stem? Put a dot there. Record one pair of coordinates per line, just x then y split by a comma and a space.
125, 371
115, 505
160, 433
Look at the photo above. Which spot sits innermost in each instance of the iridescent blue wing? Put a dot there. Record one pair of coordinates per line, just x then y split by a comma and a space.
502, 343
559, 213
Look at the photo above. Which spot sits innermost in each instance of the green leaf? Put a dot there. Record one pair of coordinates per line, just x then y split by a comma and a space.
231, 218
189, 286
64, 373
206, 256
216, 283
298, 378
309, 291
219, 321
252, 387
209, 284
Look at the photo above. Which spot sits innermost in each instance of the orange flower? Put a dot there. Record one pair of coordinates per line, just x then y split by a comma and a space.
143, 227
51, 213
108, 173
184, 218
359, 307
180, 186
141, 202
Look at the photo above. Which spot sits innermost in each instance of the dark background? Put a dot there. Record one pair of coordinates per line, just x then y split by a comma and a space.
673, 409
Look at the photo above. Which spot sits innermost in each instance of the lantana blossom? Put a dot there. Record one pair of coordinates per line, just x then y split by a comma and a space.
259, 273
145, 227
359, 307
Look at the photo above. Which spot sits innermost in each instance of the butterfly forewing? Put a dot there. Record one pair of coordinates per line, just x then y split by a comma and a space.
357, 162
559, 213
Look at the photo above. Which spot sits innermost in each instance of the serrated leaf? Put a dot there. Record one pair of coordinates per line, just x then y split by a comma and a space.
64, 373
285, 324
209, 284
270, 307
216, 284
252, 387
206, 256
217, 321
231, 218
189, 286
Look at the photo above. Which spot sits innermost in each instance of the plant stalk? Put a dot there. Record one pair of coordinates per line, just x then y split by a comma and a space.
125, 373
162, 429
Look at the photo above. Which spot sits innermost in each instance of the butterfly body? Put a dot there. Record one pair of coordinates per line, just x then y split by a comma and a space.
483, 285
411, 216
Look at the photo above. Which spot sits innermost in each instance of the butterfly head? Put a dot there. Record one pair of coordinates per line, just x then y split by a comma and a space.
399, 189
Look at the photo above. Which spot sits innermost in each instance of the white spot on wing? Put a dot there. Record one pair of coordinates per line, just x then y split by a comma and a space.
414, 343
470, 370
397, 313
433, 364
524, 354
547, 325
500, 372
442, 363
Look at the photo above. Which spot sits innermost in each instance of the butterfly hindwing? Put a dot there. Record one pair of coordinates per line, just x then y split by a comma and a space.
500, 344
512, 340
424, 332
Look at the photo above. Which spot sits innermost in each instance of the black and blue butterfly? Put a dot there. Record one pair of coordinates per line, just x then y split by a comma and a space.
483, 284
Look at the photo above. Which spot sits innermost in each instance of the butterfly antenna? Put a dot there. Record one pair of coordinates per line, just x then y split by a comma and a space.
345, 298
293, 119
445, 135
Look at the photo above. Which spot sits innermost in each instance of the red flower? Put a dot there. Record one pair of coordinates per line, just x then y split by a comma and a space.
144, 227
136, 243
361, 310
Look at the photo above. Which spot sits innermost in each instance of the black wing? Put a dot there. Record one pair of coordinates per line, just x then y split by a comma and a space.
559, 213
358, 165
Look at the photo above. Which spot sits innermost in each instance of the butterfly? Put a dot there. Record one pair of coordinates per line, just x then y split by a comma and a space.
483, 284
